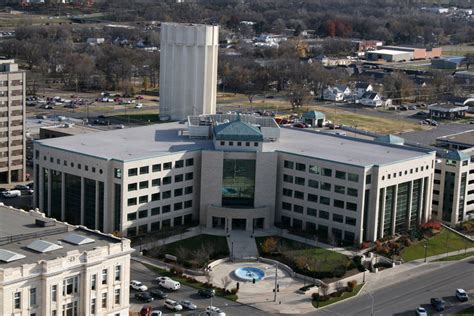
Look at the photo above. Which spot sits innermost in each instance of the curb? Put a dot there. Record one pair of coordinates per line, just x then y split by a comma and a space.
344, 300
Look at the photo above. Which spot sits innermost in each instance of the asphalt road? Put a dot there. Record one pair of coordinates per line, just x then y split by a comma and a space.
404, 297
141, 273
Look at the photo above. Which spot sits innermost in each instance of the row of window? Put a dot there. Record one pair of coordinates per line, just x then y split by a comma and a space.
322, 214
157, 225
239, 144
321, 171
312, 212
323, 230
324, 187
70, 164
159, 167
160, 181
103, 304
323, 200
400, 173
159, 210
159, 196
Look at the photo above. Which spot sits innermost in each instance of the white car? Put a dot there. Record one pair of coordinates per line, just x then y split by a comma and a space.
156, 313
138, 106
461, 295
138, 286
420, 311
173, 305
214, 311
160, 279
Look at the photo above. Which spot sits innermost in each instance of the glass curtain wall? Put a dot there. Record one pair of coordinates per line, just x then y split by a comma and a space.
462, 195
89, 203
403, 200
448, 196
389, 199
72, 199
101, 206
56, 194
238, 185
415, 203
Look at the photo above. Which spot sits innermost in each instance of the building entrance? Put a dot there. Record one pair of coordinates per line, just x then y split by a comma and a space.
239, 224
258, 223
218, 222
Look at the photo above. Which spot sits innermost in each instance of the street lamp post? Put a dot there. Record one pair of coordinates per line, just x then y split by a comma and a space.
372, 305
276, 282
232, 250
426, 249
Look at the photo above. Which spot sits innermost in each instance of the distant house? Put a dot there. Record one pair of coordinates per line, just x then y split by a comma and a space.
361, 88
452, 62
371, 99
337, 93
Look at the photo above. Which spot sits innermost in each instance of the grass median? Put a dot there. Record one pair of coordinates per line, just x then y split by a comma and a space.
457, 257
333, 300
466, 312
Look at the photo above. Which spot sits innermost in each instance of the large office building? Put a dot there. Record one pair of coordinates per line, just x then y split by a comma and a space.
188, 70
234, 172
453, 188
12, 122
51, 268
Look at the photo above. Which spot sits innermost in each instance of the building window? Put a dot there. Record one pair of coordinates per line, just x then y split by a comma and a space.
166, 194
189, 176
117, 172
156, 167
104, 276
286, 206
340, 175
311, 211
313, 184
93, 169
188, 204
166, 209
325, 186
189, 162
179, 164
238, 182
324, 200
287, 178
143, 214
104, 300
368, 178
178, 206
340, 189
300, 181
327, 172
167, 180
144, 170
132, 172
352, 192
178, 178
299, 195
155, 196
314, 169
17, 300
231, 143
144, 185
93, 306
143, 199
54, 293
132, 187
222, 143
323, 214
155, 211
337, 218
167, 166
312, 198
132, 201
117, 296
300, 166
351, 206
188, 190
287, 192
339, 203
298, 208
70, 285
93, 282
32, 297
239, 144
350, 221
178, 192
132, 216
247, 144
255, 144
155, 226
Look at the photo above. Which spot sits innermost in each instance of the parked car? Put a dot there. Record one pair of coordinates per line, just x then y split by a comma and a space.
144, 297
214, 311
421, 113
173, 305
471, 122
156, 312
24, 188
159, 279
461, 295
188, 305
438, 304
138, 286
412, 107
208, 293
157, 293
138, 106
300, 125
11, 193
420, 311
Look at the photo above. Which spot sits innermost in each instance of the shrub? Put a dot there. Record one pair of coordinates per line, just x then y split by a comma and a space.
351, 285
269, 245
431, 224
234, 291
339, 271
364, 245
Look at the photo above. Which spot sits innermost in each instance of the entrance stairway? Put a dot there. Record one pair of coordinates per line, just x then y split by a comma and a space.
241, 245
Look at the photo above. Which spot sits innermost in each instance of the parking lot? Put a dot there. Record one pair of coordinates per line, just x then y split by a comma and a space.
141, 273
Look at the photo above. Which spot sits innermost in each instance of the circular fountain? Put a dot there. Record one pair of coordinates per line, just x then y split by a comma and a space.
249, 274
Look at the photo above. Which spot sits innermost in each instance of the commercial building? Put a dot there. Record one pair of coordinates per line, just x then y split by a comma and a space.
51, 268
452, 62
447, 111
188, 71
458, 141
233, 172
400, 53
12, 122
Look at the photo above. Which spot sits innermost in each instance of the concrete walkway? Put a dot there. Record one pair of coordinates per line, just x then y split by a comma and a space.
242, 245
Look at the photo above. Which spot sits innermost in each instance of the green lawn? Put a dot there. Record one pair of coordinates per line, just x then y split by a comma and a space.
196, 251
445, 241
193, 284
457, 257
317, 259
344, 296
467, 312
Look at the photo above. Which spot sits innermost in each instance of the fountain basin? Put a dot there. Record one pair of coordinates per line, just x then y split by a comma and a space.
249, 274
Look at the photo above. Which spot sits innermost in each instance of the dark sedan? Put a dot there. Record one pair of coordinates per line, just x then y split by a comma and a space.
158, 294
438, 304
144, 297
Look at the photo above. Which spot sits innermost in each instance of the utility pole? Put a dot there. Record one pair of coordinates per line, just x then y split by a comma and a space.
426, 249
276, 282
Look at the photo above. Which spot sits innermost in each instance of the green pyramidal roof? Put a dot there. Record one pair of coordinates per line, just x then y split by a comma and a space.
391, 139
238, 130
457, 155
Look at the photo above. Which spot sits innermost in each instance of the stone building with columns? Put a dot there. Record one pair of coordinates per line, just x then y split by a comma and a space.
50, 268
234, 172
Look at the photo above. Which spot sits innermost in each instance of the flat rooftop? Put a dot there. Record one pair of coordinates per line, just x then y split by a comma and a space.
71, 129
464, 138
388, 52
342, 149
21, 226
168, 138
